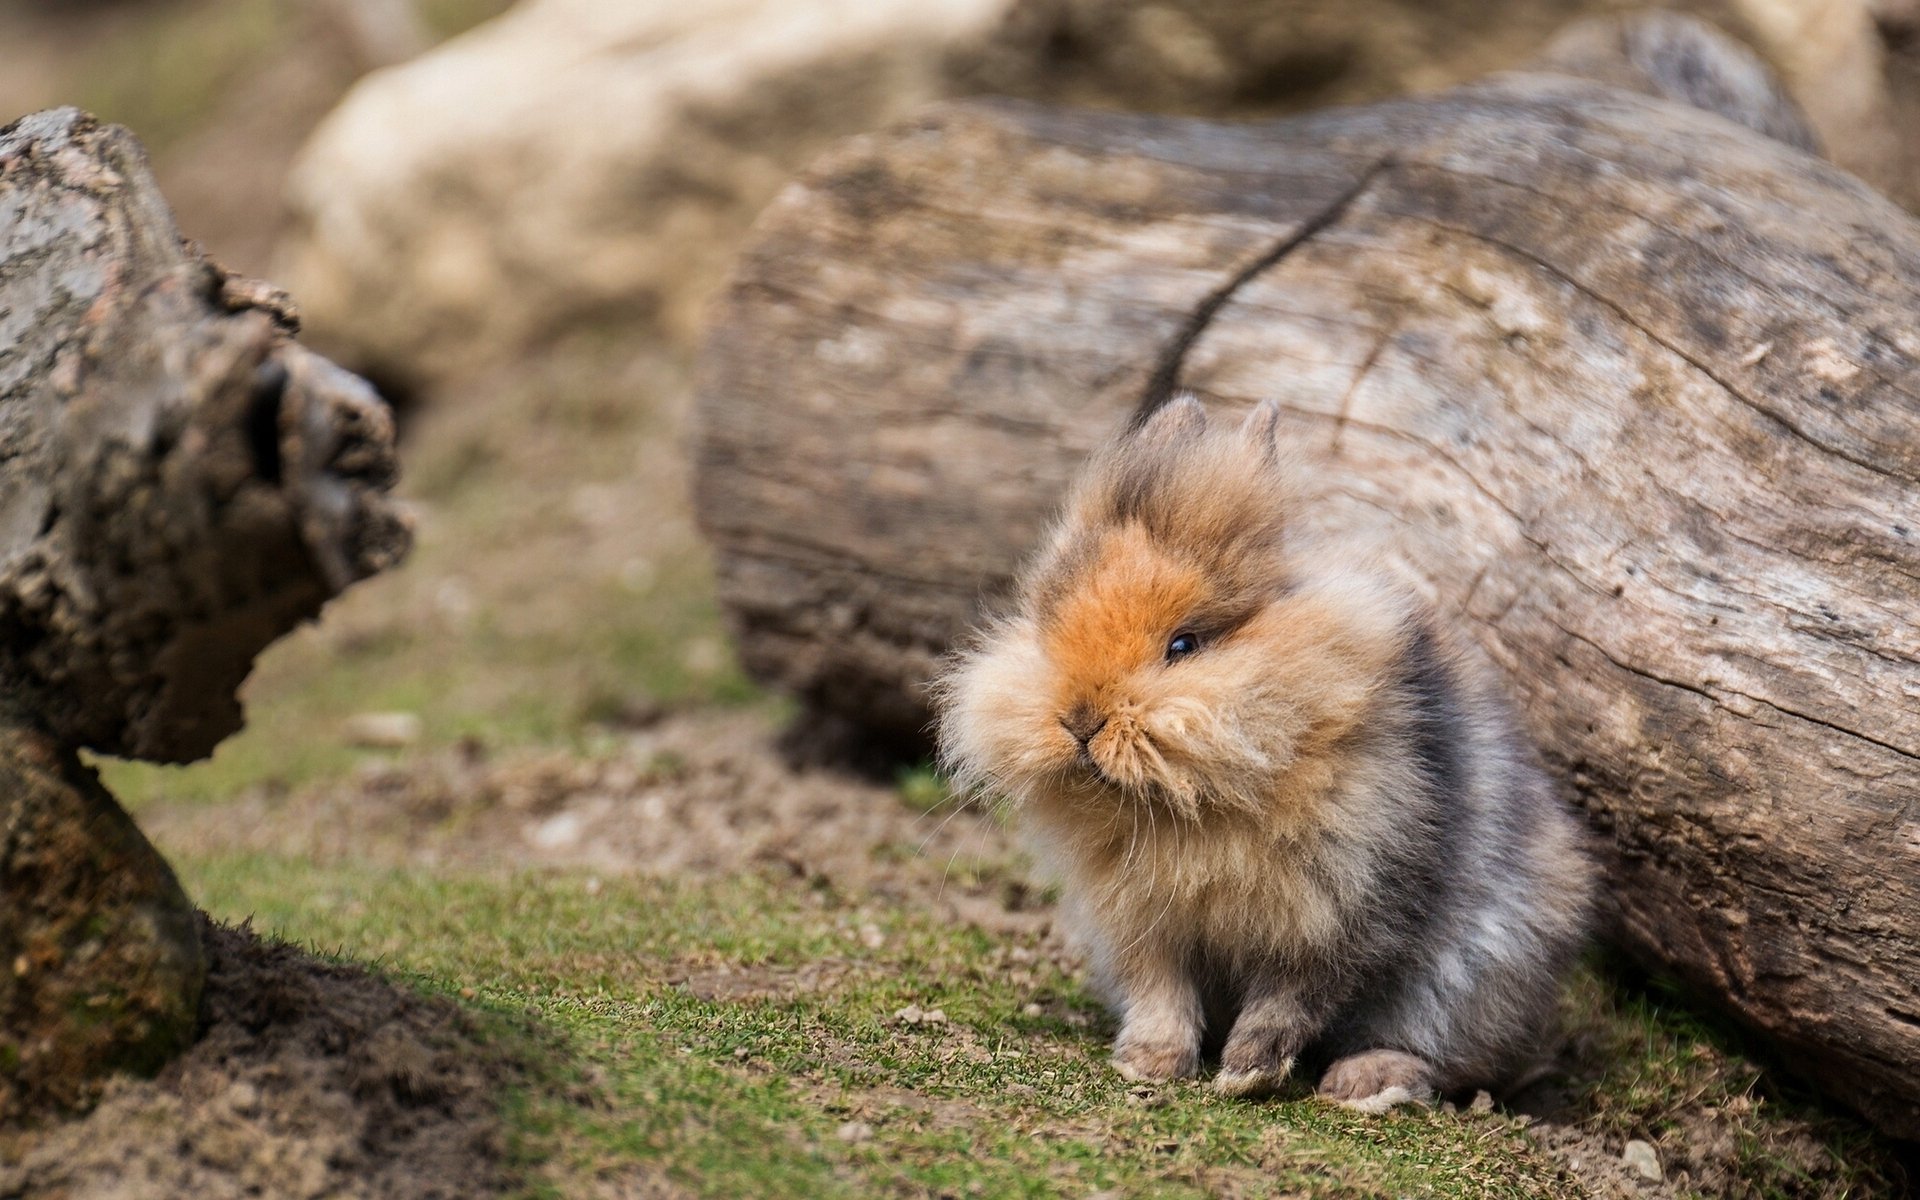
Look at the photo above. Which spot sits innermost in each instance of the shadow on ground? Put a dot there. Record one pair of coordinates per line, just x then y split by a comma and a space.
309, 1079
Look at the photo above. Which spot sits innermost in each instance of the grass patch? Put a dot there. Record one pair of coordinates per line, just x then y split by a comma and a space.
445, 18
163, 72
553, 686
1679, 1077
740, 1036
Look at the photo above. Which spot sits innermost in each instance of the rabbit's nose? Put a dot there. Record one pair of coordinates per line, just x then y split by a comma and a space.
1084, 724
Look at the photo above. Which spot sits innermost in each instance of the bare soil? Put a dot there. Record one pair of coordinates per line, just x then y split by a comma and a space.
309, 1079
703, 793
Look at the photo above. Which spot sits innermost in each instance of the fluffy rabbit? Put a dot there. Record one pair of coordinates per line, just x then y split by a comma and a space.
1282, 807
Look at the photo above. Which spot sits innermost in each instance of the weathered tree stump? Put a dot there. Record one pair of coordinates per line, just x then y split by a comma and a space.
1631, 387
180, 484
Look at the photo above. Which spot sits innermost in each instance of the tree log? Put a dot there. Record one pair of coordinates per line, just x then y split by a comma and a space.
180, 484
100, 958
1630, 387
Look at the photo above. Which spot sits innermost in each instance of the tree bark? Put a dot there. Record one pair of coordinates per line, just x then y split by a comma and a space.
1630, 387
183, 482
100, 958
180, 484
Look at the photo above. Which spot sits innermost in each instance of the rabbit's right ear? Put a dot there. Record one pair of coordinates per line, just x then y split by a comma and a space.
1178, 420
1262, 428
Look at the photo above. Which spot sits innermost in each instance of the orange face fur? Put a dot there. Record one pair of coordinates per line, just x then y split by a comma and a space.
1166, 648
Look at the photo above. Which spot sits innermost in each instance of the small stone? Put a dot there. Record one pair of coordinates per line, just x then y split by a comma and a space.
855, 1132
384, 730
467, 993
1644, 1160
1482, 1102
910, 1015
242, 1097
871, 937
704, 656
558, 831
1030, 1009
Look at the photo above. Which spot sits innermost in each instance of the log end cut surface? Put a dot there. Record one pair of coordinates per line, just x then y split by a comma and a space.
182, 482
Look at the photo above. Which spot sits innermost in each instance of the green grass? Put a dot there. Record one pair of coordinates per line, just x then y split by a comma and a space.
746, 1094
1669, 1063
164, 71
504, 687
445, 18
555, 634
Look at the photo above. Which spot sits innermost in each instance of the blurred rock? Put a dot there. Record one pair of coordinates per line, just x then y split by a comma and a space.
1848, 63
1676, 57
592, 164
584, 162
1643, 1160
383, 730
1855, 78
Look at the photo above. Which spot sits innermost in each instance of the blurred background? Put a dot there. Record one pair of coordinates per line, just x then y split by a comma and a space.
509, 216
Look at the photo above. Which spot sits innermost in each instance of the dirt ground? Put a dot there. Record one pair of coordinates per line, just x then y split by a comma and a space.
705, 794
695, 794
309, 1079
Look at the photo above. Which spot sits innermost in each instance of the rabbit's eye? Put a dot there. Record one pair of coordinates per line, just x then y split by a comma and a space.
1183, 644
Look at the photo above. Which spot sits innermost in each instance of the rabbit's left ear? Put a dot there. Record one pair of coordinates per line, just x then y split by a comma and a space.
1178, 420
1262, 427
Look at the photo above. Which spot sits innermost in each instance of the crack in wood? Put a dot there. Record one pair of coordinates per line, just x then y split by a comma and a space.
1719, 701
1166, 373
1784, 300
1626, 317
1359, 377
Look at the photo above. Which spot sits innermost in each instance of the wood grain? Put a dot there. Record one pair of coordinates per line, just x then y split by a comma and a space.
1633, 389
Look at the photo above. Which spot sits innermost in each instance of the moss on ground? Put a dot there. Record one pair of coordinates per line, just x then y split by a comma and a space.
743, 1036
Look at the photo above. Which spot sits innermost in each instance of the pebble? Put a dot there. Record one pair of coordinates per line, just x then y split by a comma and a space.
913, 1014
383, 730
855, 1132
1645, 1162
558, 831
242, 1097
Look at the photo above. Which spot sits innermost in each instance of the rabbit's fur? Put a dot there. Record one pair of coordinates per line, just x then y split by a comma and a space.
1312, 830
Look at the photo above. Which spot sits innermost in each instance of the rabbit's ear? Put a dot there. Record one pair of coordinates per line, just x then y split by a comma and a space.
1178, 420
1262, 427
